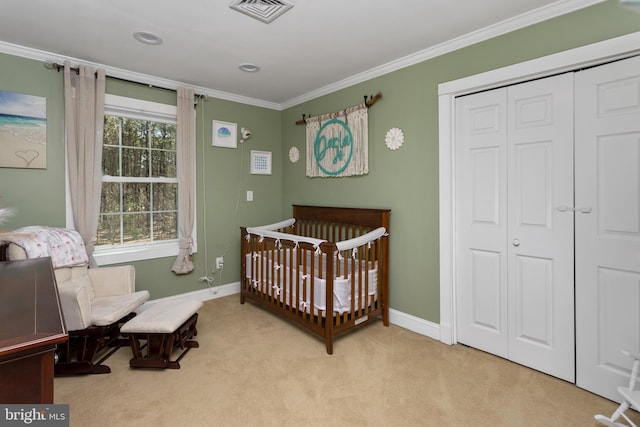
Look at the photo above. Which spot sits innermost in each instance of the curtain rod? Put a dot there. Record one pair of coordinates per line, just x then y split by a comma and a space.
58, 67
372, 100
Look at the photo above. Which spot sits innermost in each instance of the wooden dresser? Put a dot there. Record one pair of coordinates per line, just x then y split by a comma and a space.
31, 326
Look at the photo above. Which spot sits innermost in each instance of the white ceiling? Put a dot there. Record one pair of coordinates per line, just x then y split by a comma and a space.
315, 45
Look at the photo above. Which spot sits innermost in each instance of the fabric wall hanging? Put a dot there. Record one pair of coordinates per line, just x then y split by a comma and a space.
338, 143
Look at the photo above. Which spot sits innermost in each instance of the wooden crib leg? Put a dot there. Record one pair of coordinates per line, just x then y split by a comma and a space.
328, 336
329, 343
385, 315
328, 329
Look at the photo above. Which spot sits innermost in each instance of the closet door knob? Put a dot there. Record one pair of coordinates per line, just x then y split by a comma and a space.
516, 242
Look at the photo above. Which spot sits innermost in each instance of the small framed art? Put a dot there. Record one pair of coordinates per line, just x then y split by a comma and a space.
260, 162
225, 134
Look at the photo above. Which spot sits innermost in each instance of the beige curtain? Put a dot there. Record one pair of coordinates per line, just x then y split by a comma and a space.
84, 124
186, 141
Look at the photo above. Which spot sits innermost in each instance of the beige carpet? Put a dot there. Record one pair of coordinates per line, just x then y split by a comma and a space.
255, 369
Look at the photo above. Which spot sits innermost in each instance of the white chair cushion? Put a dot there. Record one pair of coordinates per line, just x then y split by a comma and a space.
62, 274
107, 310
75, 299
162, 318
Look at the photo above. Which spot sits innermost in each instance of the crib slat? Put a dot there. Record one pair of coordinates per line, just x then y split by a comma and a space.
286, 271
364, 297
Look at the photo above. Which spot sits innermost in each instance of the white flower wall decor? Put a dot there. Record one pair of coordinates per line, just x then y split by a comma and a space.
294, 154
394, 138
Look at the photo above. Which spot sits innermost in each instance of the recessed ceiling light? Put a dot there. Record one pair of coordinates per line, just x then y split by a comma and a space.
147, 38
249, 67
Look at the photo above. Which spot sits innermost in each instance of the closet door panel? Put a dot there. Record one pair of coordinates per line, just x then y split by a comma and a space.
534, 298
619, 297
618, 184
532, 207
514, 166
540, 255
481, 221
485, 301
607, 224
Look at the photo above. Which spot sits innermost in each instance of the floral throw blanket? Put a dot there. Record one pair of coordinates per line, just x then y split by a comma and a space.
65, 246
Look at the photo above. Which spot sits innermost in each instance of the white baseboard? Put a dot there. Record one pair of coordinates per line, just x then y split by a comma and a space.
203, 294
398, 318
414, 324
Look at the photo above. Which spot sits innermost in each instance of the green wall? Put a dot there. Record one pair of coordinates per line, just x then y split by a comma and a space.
37, 194
222, 176
405, 180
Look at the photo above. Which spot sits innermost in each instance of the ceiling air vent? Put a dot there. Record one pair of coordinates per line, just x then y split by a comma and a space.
262, 10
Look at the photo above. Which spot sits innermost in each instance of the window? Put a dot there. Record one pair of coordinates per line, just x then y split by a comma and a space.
139, 206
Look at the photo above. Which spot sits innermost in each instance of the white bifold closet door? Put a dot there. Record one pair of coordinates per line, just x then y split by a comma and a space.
607, 192
514, 220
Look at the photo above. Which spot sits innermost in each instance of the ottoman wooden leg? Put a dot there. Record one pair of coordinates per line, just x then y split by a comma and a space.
159, 346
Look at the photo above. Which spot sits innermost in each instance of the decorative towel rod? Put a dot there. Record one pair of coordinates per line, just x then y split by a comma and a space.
372, 99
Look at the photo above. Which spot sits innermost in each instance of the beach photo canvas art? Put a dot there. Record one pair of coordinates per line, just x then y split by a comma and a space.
23, 131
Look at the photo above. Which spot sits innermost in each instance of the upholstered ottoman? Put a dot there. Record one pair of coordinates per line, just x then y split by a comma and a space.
164, 327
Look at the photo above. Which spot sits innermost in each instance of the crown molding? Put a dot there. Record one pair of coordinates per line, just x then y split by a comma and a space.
544, 13
541, 14
40, 55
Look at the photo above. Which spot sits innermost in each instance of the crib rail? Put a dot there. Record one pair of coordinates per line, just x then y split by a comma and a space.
370, 218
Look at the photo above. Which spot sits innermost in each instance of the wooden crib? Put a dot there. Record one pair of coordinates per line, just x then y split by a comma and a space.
326, 268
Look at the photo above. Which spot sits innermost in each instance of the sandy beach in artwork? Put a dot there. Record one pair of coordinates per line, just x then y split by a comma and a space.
23, 147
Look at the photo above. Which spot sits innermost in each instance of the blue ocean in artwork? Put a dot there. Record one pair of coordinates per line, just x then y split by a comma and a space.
224, 132
9, 120
23, 130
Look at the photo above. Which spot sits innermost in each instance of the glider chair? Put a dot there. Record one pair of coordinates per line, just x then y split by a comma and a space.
95, 303
630, 394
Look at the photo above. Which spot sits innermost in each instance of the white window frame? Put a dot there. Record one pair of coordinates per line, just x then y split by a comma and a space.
145, 110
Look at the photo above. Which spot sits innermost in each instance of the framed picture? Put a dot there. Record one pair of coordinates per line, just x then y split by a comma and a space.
23, 131
260, 162
225, 134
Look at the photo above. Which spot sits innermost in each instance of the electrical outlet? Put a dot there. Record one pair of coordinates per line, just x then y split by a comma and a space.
219, 263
